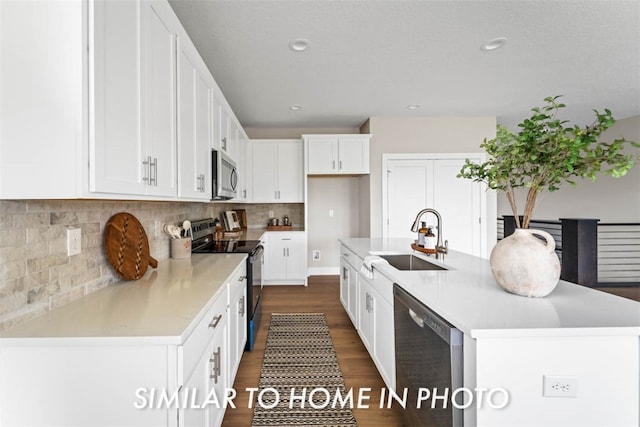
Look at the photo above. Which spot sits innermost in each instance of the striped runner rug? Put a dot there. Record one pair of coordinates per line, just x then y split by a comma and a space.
300, 381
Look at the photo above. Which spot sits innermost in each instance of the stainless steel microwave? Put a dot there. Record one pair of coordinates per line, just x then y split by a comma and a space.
224, 176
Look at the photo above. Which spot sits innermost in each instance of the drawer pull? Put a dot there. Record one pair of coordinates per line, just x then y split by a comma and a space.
241, 278
215, 366
215, 321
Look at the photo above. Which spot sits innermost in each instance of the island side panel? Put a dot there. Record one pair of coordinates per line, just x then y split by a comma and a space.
606, 369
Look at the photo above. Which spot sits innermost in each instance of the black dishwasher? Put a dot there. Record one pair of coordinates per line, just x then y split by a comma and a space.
428, 356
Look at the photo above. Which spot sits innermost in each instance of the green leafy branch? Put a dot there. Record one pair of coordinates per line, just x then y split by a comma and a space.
546, 153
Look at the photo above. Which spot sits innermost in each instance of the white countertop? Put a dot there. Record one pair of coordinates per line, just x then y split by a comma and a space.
162, 307
468, 297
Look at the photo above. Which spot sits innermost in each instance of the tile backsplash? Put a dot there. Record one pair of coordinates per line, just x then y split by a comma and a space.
35, 272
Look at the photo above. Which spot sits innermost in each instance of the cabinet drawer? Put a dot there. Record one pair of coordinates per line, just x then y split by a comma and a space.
204, 331
350, 257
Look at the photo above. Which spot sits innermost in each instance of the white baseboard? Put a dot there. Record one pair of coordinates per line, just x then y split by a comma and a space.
324, 271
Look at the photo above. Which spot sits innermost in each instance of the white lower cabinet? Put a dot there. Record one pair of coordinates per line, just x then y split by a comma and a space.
349, 283
375, 323
237, 319
135, 380
285, 260
209, 374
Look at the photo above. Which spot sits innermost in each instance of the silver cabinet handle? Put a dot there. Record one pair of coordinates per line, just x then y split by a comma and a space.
333, 164
241, 307
215, 366
215, 321
147, 170
224, 143
287, 251
340, 165
153, 171
241, 278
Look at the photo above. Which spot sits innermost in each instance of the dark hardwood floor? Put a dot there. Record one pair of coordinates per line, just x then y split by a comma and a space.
358, 370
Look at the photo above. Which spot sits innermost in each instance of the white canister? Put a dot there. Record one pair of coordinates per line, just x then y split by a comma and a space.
181, 248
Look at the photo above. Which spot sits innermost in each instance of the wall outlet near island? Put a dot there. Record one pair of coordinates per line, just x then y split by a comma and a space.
316, 255
559, 386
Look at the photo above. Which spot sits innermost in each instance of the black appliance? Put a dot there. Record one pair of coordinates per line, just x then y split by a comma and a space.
428, 355
224, 176
203, 232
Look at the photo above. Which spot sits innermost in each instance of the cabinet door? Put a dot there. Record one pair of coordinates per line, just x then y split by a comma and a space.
193, 124
383, 343
353, 154
218, 374
366, 306
158, 96
290, 172
277, 257
344, 284
265, 171
237, 321
220, 123
322, 155
296, 257
198, 383
117, 151
244, 169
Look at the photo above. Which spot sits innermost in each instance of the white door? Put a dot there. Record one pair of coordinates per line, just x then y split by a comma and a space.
415, 184
407, 182
458, 201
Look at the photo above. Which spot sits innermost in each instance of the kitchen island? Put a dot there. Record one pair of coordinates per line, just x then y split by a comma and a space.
512, 342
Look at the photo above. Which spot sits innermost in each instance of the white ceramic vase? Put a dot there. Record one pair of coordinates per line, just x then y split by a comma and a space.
525, 265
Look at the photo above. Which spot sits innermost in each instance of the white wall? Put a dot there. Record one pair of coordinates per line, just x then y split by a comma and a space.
342, 196
608, 199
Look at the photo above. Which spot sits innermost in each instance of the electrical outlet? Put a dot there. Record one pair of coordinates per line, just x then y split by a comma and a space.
559, 386
316, 255
270, 214
74, 241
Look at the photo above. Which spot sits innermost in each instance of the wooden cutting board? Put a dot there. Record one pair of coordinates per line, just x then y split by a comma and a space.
127, 246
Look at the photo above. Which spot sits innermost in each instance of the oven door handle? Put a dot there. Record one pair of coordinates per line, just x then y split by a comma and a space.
416, 319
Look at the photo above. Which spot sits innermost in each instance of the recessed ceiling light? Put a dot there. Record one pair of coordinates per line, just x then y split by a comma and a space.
413, 107
494, 44
299, 45
295, 107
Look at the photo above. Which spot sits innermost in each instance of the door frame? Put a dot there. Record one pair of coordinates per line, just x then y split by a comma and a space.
488, 199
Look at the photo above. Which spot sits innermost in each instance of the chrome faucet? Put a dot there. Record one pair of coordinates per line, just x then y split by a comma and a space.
440, 248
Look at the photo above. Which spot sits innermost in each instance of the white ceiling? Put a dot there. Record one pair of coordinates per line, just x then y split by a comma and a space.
372, 58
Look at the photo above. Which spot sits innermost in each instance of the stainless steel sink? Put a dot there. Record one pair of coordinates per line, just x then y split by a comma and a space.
410, 262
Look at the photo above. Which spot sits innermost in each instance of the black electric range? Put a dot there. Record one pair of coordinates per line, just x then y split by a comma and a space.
203, 232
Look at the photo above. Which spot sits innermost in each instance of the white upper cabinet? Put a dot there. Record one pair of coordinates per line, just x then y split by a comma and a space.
337, 154
194, 124
134, 147
104, 120
158, 64
277, 168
